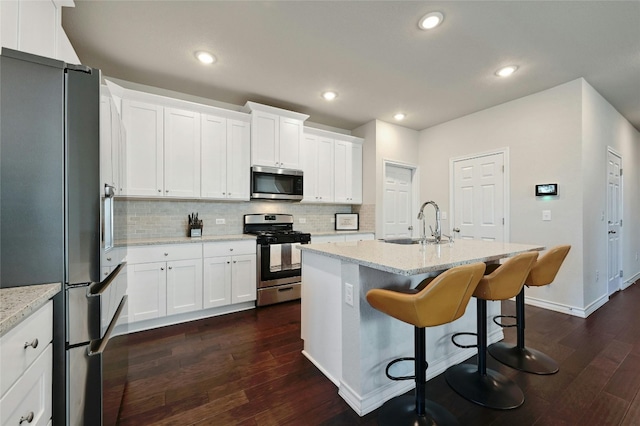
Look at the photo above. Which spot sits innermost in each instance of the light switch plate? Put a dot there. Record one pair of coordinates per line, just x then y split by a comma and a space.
348, 294
220, 221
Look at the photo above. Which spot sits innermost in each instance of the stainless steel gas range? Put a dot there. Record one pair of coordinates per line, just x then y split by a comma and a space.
278, 259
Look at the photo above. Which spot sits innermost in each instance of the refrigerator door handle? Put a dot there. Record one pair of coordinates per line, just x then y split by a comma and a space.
99, 288
98, 346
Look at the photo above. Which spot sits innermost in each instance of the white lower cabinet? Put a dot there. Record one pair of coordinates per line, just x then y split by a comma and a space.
340, 238
26, 370
229, 273
169, 280
184, 286
163, 280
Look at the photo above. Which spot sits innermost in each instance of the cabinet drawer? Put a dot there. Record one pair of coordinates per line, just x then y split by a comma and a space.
163, 253
31, 395
229, 248
15, 357
113, 257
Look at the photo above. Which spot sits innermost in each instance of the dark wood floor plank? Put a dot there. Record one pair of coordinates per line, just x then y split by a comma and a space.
247, 369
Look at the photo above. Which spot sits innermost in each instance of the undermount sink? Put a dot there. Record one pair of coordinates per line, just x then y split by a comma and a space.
406, 241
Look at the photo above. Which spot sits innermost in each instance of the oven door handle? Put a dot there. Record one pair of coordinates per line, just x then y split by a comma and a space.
98, 346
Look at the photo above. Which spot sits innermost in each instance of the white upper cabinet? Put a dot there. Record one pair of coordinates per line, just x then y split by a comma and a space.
35, 26
225, 158
111, 134
317, 165
276, 135
144, 150
332, 165
348, 172
181, 153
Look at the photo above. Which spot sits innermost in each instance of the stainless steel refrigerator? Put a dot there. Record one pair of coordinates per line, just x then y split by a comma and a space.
51, 227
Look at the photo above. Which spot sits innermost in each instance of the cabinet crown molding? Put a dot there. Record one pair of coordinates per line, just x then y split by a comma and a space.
332, 135
253, 106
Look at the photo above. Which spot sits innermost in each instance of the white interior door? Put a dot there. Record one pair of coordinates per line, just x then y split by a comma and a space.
614, 221
397, 201
479, 198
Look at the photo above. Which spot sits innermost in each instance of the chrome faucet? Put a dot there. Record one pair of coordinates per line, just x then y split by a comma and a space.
437, 234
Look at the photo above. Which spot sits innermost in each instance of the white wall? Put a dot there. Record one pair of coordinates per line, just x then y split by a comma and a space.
558, 135
604, 127
383, 141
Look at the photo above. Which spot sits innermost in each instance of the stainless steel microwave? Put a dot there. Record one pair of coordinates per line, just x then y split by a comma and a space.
271, 183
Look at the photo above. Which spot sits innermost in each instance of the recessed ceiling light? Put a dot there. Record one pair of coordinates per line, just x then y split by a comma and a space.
205, 57
329, 95
430, 20
399, 116
506, 71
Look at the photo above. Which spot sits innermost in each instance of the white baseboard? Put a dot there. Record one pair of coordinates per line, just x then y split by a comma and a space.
568, 309
329, 376
630, 281
180, 318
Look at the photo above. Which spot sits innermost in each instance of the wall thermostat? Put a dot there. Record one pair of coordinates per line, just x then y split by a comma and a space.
547, 189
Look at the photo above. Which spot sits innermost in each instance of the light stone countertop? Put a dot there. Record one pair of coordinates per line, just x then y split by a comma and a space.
412, 259
333, 232
183, 240
17, 303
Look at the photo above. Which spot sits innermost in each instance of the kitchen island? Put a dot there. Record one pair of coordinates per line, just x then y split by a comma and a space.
351, 343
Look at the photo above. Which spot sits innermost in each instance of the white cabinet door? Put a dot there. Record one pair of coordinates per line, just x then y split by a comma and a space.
316, 156
217, 281
238, 159
356, 174
289, 146
308, 155
265, 137
214, 157
184, 286
181, 153
325, 175
342, 164
144, 148
110, 135
243, 273
37, 27
348, 173
147, 290
106, 161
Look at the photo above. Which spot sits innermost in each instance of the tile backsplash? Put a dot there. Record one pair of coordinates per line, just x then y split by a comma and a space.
140, 219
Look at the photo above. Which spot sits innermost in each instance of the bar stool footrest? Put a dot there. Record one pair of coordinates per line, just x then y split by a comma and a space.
464, 333
401, 411
398, 378
492, 390
495, 320
523, 359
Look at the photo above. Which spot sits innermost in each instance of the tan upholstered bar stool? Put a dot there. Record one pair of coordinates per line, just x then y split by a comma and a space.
435, 301
480, 384
543, 273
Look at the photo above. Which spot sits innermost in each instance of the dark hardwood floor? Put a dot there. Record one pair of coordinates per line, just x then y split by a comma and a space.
247, 369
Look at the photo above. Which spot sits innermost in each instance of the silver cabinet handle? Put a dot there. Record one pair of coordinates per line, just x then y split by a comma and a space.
33, 344
230, 249
166, 190
162, 268
170, 267
228, 262
106, 273
234, 261
166, 254
159, 190
28, 418
109, 259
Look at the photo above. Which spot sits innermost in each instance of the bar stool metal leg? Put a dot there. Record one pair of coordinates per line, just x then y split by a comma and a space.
415, 410
482, 385
518, 356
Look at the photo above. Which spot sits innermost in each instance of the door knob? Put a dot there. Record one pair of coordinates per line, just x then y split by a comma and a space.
456, 229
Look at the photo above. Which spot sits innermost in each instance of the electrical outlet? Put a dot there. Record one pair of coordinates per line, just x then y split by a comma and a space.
333, 220
220, 221
302, 219
443, 215
546, 215
348, 294
597, 275
636, 256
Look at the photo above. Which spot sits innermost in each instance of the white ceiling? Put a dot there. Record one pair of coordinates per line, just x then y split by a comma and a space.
285, 53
